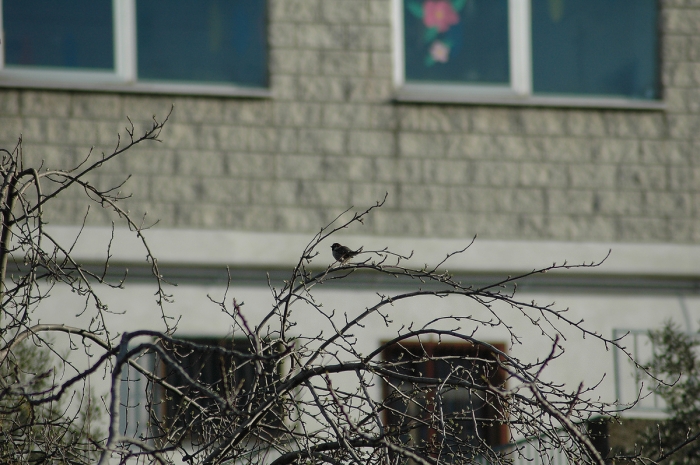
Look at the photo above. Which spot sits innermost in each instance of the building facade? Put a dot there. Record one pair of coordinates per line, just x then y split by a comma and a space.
351, 104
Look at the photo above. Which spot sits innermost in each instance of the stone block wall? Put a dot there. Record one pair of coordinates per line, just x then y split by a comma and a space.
332, 136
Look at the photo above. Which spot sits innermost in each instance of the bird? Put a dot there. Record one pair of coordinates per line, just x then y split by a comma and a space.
342, 253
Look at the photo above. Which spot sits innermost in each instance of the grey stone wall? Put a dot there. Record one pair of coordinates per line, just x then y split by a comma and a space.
331, 137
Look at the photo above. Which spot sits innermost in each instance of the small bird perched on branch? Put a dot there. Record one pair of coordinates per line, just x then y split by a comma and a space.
342, 253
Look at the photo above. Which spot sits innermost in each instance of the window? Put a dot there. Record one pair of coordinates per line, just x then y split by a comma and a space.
212, 364
205, 46
438, 412
584, 52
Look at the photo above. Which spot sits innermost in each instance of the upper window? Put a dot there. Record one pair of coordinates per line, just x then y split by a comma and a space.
147, 44
531, 50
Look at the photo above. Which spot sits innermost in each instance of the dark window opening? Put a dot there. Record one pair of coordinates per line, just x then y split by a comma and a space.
438, 400
222, 367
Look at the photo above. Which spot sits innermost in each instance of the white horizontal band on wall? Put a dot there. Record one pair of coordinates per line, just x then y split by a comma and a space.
239, 249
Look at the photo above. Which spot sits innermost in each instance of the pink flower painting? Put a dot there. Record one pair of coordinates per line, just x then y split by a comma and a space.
439, 52
439, 14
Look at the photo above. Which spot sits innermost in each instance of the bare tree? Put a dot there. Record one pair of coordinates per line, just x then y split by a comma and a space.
46, 411
273, 392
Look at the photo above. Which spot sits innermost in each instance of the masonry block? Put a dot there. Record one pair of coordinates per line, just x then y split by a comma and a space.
262, 139
486, 199
344, 115
343, 11
226, 191
693, 48
585, 228
151, 160
571, 201
681, 20
684, 126
300, 219
593, 176
198, 163
446, 224
619, 203
398, 223
321, 89
404, 170
9, 102
421, 145
282, 61
251, 217
633, 228
641, 177
495, 173
368, 37
321, 36
494, 120
254, 112
345, 63
10, 130
423, 197
249, 165
369, 89
671, 204
178, 189
380, 11
675, 47
262, 192
44, 103
529, 200
472, 146
618, 150
512, 148
447, 172
587, 123
364, 195
88, 105
294, 10
535, 226
282, 35
321, 141
347, 168
297, 114
374, 143
543, 175
543, 122
283, 86
292, 167
562, 149
49, 157
308, 61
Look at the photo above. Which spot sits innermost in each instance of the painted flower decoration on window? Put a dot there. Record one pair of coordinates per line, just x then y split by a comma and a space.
438, 16
439, 52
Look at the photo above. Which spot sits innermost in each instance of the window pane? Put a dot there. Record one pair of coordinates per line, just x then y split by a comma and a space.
605, 47
76, 34
205, 41
462, 418
212, 364
460, 41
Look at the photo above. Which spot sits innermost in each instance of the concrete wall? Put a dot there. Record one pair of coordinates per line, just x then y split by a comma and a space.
331, 136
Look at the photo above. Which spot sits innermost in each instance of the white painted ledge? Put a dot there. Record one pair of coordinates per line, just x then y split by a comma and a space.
503, 96
196, 247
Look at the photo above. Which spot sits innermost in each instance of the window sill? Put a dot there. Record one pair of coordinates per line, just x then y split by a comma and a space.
440, 94
206, 90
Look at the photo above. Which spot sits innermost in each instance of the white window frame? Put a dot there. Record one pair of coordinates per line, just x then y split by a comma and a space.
123, 78
517, 92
